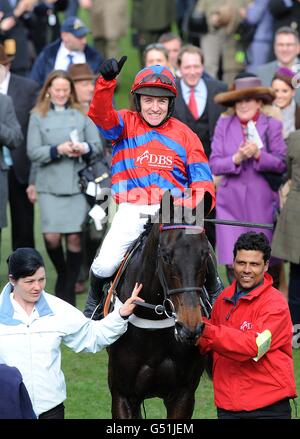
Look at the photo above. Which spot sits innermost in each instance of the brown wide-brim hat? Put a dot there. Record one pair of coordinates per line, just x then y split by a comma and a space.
246, 88
81, 72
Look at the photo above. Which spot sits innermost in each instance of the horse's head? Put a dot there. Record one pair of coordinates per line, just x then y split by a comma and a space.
182, 260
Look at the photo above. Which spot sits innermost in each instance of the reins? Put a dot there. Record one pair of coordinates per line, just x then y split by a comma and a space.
167, 307
112, 287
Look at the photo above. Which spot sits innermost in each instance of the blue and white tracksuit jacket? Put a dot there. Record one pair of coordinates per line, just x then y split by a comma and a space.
32, 343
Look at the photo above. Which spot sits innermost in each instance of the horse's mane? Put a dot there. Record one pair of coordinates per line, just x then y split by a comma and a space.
148, 227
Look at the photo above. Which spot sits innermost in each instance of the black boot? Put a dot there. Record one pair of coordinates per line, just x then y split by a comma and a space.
73, 264
58, 260
95, 301
213, 282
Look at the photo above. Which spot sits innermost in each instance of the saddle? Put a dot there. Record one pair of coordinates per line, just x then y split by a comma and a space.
110, 289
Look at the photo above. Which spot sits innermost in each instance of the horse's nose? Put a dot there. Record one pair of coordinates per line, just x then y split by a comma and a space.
185, 335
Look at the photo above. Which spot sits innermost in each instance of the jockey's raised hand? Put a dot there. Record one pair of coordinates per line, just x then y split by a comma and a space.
110, 68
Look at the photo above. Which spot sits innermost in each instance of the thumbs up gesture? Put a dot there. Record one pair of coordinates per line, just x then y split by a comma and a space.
110, 68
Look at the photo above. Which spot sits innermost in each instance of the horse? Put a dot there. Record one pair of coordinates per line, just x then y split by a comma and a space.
157, 356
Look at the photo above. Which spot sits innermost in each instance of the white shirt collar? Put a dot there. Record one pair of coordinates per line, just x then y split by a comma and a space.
62, 60
186, 88
4, 84
200, 94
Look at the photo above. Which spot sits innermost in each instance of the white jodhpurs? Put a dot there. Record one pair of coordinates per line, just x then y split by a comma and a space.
126, 227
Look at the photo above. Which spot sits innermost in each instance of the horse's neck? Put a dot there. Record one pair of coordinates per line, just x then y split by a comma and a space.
149, 257
148, 263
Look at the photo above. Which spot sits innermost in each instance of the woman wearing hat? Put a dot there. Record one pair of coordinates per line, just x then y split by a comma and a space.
285, 100
246, 144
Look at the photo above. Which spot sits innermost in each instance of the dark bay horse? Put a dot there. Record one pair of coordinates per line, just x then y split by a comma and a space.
157, 357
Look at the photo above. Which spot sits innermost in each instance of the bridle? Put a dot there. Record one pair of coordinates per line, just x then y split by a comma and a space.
203, 296
167, 307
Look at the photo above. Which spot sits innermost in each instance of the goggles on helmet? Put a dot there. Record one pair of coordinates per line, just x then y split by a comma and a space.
155, 84
155, 77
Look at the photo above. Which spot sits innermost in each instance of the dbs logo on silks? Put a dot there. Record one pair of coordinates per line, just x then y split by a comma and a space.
157, 159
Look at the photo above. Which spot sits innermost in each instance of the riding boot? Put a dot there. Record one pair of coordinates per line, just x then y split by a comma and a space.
57, 258
73, 264
94, 304
213, 282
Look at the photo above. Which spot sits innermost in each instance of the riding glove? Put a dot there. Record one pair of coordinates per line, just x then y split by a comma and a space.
110, 68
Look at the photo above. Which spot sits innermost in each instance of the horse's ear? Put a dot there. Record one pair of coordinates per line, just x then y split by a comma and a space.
208, 203
166, 210
171, 209
202, 209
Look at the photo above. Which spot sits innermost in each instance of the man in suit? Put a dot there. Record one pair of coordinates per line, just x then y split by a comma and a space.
14, 33
285, 13
71, 48
286, 49
23, 92
207, 112
10, 137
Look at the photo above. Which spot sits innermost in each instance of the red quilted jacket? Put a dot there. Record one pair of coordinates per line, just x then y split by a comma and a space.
240, 383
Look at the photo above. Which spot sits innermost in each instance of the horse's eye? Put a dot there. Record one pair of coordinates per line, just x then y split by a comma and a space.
166, 257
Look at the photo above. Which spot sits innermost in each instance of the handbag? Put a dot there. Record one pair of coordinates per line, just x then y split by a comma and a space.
194, 23
274, 180
96, 172
246, 32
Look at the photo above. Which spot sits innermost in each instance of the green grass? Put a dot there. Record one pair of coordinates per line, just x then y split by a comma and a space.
86, 374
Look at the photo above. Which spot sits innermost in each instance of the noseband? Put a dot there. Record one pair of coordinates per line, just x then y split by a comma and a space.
167, 307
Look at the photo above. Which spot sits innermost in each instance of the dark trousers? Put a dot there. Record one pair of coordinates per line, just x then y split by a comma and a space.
278, 410
57, 412
21, 212
294, 293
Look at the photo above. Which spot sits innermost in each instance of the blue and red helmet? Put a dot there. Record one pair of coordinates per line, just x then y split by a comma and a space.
155, 81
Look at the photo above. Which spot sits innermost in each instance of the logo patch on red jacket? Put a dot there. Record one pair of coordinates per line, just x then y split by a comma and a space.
245, 326
155, 158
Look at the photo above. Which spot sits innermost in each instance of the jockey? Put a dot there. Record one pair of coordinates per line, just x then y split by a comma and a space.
152, 152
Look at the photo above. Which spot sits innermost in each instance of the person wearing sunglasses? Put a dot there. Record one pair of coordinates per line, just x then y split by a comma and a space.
152, 152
